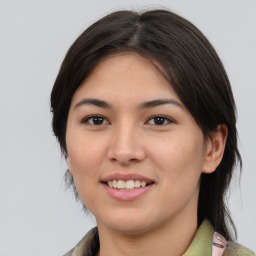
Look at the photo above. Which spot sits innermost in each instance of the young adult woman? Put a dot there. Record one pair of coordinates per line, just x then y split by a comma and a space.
144, 114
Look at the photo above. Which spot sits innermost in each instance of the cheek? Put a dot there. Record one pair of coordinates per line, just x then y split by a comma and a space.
85, 156
178, 159
84, 160
85, 152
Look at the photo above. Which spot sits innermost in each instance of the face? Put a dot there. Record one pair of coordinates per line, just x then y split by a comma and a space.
135, 152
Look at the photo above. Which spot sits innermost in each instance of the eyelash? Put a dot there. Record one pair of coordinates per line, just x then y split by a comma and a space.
93, 118
166, 120
102, 119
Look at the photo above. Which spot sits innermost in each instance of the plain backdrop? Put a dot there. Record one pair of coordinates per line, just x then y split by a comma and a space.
37, 215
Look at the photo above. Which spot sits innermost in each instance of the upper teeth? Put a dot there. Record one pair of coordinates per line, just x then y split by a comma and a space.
129, 184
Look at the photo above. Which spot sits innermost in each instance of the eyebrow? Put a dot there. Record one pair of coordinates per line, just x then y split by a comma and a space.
159, 102
147, 104
95, 102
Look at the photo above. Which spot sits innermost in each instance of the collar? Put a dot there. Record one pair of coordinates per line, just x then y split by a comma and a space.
201, 244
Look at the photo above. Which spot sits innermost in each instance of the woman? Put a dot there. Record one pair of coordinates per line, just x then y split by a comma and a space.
145, 116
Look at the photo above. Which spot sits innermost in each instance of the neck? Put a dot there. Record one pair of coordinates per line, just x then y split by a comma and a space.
172, 238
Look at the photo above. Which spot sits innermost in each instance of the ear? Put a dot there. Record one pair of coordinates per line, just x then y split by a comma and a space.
69, 164
215, 147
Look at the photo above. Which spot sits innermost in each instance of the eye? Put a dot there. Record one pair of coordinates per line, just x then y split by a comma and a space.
95, 120
159, 120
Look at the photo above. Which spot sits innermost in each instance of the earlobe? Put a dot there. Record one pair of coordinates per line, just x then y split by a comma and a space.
215, 149
69, 164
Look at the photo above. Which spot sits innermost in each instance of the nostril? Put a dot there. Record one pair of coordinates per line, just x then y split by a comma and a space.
125, 153
125, 161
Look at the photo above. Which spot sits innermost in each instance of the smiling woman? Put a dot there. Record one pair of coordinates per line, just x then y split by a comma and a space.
145, 117
137, 137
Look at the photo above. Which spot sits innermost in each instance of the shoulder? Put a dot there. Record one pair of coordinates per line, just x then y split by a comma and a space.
88, 245
235, 249
69, 253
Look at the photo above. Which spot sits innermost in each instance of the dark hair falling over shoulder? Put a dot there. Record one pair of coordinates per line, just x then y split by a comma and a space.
188, 61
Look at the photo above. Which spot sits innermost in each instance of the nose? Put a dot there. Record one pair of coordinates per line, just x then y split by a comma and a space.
125, 145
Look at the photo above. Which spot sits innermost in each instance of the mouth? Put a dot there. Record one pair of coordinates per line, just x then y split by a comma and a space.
127, 187
130, 181
128, 184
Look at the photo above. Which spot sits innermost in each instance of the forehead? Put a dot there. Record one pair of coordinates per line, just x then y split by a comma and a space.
128, 75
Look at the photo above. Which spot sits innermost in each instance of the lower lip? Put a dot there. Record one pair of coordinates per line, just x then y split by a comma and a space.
127, 195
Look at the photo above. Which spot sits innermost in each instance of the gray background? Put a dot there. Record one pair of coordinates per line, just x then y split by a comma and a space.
37, 216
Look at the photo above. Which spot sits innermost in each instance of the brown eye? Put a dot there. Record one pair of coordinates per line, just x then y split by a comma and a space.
159, 120
95, 120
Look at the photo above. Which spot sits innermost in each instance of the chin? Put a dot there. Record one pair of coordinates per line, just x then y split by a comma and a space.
128, 222
125, 222
129, 228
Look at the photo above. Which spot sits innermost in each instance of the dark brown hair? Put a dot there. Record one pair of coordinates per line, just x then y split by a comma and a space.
193, 69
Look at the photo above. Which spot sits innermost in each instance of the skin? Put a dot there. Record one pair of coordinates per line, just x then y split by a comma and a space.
127, 139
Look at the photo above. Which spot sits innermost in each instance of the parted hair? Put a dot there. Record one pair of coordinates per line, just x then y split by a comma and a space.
192, 67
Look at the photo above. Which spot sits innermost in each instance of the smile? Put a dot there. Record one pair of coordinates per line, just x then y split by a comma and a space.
127, 185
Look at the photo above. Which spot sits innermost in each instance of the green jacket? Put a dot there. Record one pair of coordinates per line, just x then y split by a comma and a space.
200, 246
